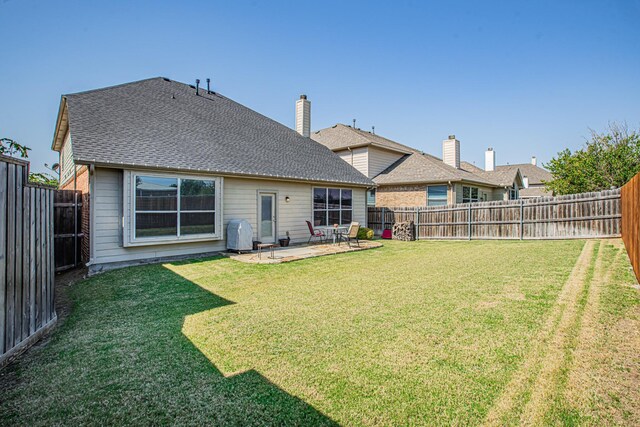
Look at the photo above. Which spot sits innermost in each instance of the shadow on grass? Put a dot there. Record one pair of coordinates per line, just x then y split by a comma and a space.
121, 358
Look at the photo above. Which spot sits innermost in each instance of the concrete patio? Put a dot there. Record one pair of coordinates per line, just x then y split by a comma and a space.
298, 252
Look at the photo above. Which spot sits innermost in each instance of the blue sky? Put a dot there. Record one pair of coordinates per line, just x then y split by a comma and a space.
526, 78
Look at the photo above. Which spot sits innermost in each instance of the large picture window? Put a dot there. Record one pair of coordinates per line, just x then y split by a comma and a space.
174, 208
469, 194
437, 195
332, 206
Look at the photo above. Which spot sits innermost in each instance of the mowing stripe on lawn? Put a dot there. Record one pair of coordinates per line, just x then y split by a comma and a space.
580, 385
537, 370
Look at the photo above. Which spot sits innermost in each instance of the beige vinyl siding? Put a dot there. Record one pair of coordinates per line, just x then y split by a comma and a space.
66, 160
379, 160
239, 202
358, 158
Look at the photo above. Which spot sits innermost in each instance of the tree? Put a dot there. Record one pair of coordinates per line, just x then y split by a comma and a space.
9, 147
608, 160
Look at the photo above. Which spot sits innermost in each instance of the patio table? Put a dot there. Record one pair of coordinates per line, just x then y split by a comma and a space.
333, 231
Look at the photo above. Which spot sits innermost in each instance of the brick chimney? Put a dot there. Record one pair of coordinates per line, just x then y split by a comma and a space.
303, 116
489, 160
451, 151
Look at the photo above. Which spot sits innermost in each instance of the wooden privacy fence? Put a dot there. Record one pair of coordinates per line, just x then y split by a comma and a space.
631, 221
565, 217
26, 259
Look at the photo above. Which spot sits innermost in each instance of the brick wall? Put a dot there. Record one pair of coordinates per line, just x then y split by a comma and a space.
401, 196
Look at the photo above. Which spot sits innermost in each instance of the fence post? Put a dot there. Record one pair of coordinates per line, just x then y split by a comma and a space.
469, 220
383, 213
521, 219
417, 222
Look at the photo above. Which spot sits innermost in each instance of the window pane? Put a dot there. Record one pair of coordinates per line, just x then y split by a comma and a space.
197, 195
156, 194
474, 193
346, 217
334, 198
347, 199
334, 217
437, 192
466, 192
319, 198
319, 218
371, 197
197, 223
437, 195
156, 224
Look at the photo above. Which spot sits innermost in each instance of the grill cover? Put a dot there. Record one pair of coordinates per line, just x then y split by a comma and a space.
239, 235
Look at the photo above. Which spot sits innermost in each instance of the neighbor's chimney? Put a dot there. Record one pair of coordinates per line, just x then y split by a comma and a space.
451, 151
489, 160
534, 161
525, 181
303, 116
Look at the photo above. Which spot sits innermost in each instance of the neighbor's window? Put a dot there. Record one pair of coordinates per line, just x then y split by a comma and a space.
166, 207
371, 197
437, 195
469, 194
513, 193
332, 206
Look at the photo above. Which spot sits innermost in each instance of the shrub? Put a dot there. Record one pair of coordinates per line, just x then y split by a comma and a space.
365, 233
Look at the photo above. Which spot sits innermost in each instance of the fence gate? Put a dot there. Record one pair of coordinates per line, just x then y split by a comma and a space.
67, 214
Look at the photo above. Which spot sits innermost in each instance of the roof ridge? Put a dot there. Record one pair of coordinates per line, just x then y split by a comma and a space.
120, 85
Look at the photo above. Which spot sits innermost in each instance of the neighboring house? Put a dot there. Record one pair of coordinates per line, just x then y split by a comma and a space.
408, 177
534, 178
167, 165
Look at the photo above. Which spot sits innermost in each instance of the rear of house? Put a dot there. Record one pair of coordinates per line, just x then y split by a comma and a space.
168, 165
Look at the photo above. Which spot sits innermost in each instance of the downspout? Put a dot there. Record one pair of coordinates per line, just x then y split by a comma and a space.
92, 213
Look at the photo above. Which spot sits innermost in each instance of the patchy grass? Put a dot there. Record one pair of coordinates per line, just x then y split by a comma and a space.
411, 333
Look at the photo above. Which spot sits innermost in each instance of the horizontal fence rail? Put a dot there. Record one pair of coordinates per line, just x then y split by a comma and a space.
573, 216
26, 259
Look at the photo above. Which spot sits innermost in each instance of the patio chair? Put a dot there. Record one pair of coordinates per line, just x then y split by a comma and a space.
351, 235
314, 233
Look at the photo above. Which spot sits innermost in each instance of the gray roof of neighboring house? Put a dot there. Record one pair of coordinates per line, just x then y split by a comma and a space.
162, 124
342, 136
538, 191
501, 176
536, 174
424, 168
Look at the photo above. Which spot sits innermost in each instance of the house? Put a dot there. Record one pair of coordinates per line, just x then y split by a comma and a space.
408, 177
534, 178
167, 165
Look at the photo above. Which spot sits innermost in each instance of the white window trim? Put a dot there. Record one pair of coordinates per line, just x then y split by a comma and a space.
313, 209
129, 221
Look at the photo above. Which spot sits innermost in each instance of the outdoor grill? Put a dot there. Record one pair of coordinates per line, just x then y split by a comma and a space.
239, 235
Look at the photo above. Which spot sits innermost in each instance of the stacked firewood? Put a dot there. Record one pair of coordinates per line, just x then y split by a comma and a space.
403, 231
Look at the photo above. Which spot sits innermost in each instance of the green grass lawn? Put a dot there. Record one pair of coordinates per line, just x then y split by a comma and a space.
412, 333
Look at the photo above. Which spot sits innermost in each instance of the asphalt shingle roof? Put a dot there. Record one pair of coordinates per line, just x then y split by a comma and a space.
536, 174
342, 137
159, 123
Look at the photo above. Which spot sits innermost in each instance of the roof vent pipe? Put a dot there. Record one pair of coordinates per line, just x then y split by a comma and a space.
373, 130
354, 123
197, 86
208, 87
